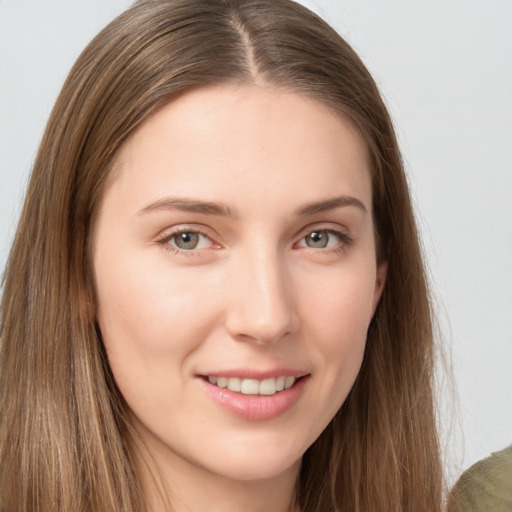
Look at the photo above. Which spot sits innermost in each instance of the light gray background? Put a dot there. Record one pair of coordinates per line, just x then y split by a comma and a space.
445, 69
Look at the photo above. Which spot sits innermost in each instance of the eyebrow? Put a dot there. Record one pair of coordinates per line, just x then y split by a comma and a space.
331, 204
189, 205
222, 210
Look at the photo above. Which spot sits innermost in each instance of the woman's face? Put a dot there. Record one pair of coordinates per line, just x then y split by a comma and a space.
234, 255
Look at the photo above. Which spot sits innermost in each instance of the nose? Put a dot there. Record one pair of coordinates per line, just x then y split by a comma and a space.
262, 304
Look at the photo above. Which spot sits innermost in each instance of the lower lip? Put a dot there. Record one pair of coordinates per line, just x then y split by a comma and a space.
256, 407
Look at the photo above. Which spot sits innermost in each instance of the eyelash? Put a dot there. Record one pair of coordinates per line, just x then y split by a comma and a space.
165, 240
345, 240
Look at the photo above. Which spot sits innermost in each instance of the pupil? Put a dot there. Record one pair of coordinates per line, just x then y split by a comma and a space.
187, 240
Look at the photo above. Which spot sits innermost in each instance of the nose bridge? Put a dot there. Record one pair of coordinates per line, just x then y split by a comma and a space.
262, 308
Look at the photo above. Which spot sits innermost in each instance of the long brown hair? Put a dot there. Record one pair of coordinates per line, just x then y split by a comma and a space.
66, 442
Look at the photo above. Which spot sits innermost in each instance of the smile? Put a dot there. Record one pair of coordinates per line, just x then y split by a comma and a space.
265, 387
252, 399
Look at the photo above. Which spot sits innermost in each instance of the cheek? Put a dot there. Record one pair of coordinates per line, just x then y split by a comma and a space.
151, 319
338, 320
148, 329
145, 303
341, 307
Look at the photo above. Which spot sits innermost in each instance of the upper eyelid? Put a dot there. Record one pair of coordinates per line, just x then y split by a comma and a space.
322, 226
185, 228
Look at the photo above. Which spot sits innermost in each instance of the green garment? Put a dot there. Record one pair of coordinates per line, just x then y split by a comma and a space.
486, 486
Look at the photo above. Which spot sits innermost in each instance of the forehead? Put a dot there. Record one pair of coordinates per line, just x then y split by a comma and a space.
249, 139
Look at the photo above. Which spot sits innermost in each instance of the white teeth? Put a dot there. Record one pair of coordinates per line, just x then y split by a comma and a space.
267, 387
234, 384
250, 386
289, 381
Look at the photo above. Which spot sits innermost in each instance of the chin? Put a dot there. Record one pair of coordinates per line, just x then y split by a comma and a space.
247, 458
245, 470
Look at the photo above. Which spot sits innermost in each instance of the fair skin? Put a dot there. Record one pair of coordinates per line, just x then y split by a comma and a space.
235, 241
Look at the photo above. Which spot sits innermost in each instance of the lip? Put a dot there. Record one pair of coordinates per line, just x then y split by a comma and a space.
255, 407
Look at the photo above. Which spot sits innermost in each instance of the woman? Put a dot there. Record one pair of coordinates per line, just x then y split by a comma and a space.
216, 296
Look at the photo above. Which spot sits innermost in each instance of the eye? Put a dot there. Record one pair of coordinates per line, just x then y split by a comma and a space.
323, 239
318, 239
186, 240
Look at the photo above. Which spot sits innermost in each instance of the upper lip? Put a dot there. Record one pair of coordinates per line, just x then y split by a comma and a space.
246, 373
